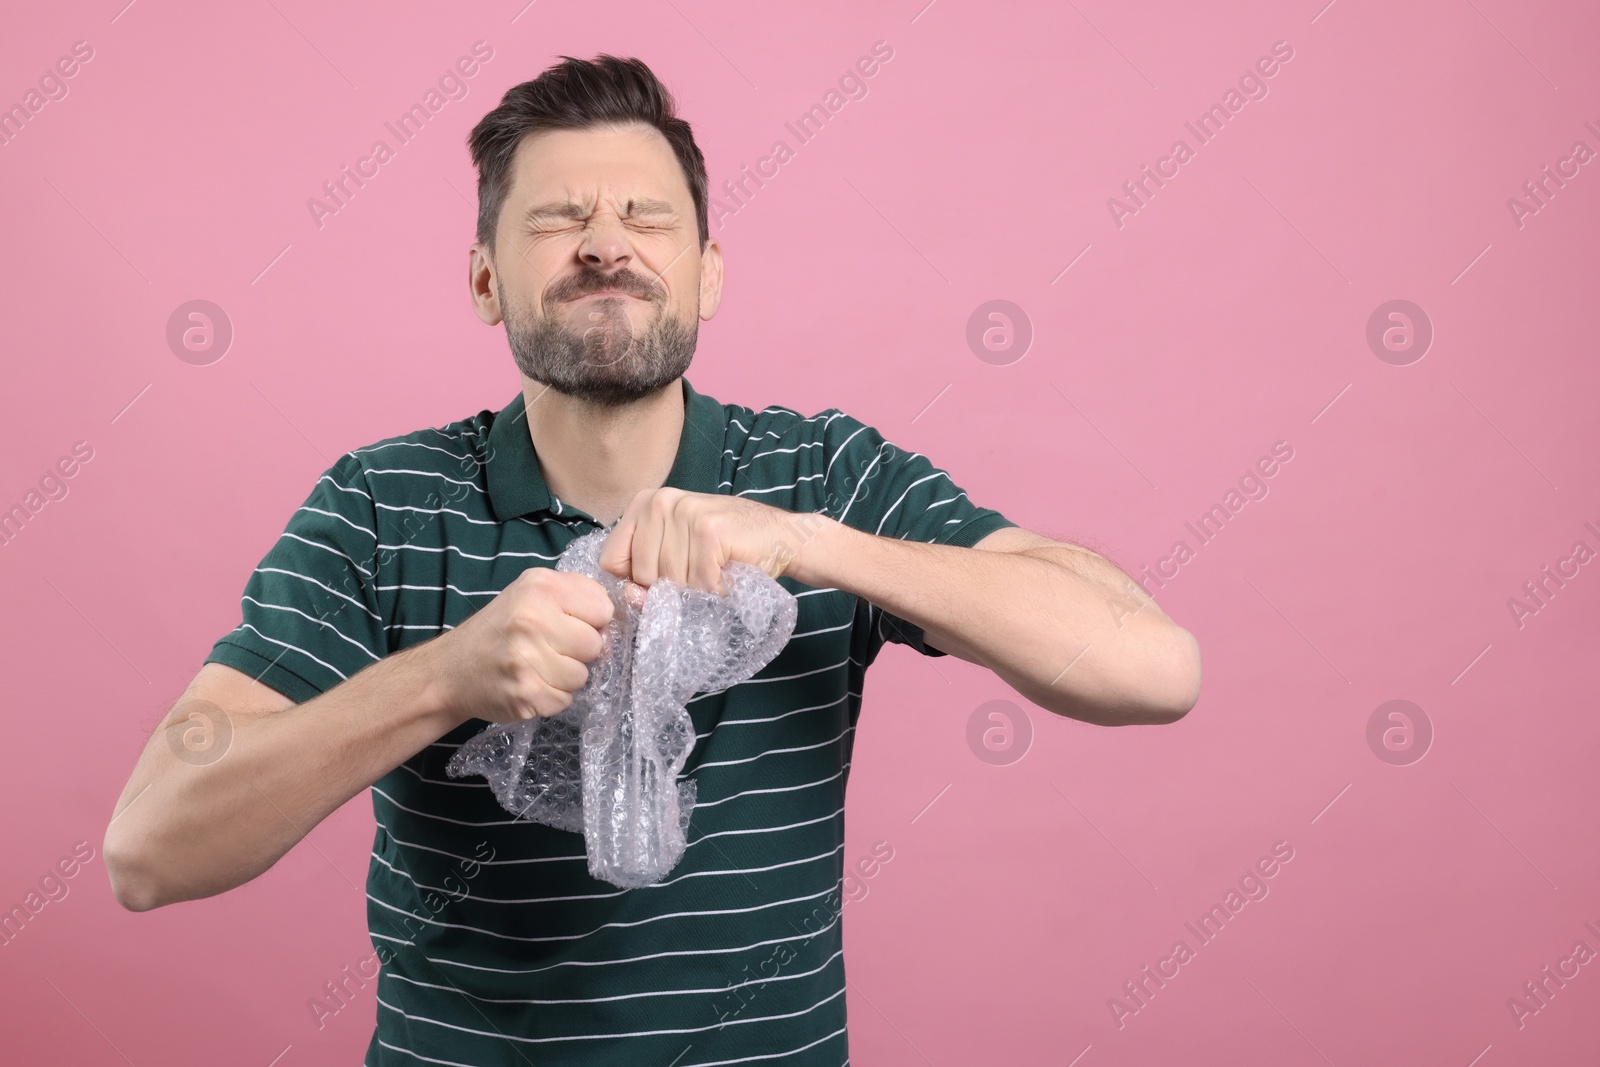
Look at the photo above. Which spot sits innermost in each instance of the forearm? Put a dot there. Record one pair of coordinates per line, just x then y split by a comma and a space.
1062, 625
185, 830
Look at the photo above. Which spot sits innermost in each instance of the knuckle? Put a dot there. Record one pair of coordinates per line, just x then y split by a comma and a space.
556, 701
526, 690
516, 629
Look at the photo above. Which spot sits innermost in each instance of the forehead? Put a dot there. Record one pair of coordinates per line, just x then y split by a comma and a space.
605, 161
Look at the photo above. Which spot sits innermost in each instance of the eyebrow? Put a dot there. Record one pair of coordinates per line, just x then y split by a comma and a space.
571, 209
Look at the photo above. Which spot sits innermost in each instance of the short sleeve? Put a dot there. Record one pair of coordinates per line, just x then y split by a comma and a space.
310, 609
874, 486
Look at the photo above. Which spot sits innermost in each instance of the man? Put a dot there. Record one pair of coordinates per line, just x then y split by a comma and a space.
413, 599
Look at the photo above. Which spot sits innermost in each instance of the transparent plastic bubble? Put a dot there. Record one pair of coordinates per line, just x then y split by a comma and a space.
608, 766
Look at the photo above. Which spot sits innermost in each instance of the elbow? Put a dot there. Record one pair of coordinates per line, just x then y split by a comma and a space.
1181, 675
131, 872
1174, 688
1160, 691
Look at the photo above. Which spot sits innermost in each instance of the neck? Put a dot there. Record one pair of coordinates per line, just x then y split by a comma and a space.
598, 458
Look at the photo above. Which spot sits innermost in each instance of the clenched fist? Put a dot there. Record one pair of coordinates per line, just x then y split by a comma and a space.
525, 652
687, 537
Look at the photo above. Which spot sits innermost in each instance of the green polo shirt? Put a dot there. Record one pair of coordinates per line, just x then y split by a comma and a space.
495, 945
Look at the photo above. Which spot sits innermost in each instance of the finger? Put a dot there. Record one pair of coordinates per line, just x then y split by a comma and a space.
634, 593
575, 638
549, 702
585, 599
705, 564
647, 540
675, 546
565, 674
616, 555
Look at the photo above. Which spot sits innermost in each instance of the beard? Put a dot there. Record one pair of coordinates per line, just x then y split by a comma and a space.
605, 361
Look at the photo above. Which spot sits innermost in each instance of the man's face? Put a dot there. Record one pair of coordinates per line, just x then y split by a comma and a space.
597, 271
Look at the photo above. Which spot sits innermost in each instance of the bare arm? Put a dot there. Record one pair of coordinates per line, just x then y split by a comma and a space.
1061, 625
196, 820
192, 822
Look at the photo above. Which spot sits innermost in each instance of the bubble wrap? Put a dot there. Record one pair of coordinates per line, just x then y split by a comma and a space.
608, 765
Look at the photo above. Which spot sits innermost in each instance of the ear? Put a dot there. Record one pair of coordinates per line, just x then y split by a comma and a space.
711, 268
481, 285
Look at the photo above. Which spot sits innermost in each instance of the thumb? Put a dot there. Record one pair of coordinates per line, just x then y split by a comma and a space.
634, 594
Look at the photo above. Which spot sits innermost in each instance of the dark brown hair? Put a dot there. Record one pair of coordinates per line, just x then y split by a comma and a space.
578, 94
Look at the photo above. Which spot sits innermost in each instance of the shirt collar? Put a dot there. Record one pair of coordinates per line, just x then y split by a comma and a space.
517, 487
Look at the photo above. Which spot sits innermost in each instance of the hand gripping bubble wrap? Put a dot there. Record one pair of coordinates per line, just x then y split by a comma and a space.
608, 765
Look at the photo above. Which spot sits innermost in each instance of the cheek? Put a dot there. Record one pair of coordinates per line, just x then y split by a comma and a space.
538, 260
683, 283
686, 298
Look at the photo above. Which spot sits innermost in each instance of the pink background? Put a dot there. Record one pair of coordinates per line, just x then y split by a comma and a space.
1227, 314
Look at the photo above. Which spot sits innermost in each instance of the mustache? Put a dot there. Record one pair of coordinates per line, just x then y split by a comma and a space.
625, 281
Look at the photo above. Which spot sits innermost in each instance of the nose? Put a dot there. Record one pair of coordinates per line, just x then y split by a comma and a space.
605, 246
